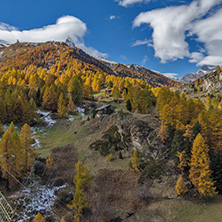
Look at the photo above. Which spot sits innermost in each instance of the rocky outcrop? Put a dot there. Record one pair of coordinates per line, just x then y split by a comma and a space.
207, 84
128, 131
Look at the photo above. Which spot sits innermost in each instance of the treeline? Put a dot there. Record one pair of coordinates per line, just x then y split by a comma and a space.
192, 132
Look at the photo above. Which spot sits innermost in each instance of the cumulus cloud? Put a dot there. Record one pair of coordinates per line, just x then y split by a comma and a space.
127, 3
196, 57
209, 32
142, 42
66, 26
170, 27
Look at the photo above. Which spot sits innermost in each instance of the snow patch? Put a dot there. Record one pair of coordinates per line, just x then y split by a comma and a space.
35, 199
46, 117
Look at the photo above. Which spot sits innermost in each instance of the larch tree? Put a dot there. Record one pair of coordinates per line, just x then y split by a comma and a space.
26, 141
181, 189
82, 181
71, 106
11, 155
39, 218
200, 174
62, 220
50, 161
61, 106
135, 161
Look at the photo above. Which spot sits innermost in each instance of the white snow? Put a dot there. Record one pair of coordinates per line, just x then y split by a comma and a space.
46, 117
106, 60
39, 198
80, 111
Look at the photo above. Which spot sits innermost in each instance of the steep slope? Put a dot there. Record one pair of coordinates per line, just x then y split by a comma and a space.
45, 55
136, 71
204, 70
207, 84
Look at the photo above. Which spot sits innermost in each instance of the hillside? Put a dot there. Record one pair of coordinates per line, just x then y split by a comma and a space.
135, 71
204, 70
45, 55
54, 54
208, 84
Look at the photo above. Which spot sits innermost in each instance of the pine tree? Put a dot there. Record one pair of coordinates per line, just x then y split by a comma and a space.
61, 106
135, 161
26, 141
39, 218
181, 189
178, 142
50, 161
216, 167
200, 174
128, 105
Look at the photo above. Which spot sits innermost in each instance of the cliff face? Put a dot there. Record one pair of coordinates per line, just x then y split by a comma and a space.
206, 84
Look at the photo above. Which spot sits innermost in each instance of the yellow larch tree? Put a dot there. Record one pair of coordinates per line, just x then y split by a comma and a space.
39, 218
200, 174
181, 189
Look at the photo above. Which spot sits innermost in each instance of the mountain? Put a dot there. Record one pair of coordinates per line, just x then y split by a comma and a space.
204, 70
135, 71
45, 55
209, 83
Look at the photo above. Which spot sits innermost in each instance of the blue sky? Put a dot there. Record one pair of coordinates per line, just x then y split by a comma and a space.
167, 36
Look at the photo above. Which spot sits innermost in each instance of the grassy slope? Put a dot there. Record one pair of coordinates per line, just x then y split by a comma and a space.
75, 133
208, 212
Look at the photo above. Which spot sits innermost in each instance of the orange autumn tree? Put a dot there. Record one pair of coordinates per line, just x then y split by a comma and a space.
200, 174
181, 189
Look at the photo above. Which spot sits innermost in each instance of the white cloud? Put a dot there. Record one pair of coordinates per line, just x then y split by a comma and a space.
209, 32
196, 57
170, 25
142, 42
170, 75
112, 17
145, 59
66, 26
127, 3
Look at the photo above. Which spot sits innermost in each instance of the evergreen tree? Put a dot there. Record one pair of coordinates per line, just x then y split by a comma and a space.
178, 142
181, 189
200, 174
216, 167
26, 141
196, 128
128, 105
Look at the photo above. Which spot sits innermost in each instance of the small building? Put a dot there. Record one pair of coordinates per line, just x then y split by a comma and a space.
105, 110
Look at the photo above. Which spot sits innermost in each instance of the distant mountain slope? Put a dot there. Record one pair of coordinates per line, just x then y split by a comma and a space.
45, 55
209, 83
60, 54
204, 70
135, 71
